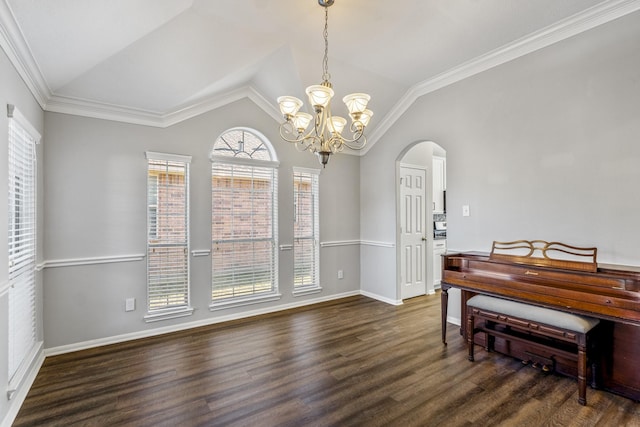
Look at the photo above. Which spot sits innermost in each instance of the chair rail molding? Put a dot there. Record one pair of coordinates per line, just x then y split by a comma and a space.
74, 262
378, 244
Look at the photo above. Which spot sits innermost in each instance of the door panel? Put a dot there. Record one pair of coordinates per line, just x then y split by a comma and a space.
412, 231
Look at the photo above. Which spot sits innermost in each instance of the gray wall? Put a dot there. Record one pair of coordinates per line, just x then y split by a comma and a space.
544, 147
95, 199
14, 91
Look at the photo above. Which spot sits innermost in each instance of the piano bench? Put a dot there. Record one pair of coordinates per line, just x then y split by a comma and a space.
540, 328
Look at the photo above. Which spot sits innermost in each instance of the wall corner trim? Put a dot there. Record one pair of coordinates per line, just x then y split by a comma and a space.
17, 399
4, 288
381, 298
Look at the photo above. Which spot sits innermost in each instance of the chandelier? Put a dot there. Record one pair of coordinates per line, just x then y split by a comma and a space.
324, 137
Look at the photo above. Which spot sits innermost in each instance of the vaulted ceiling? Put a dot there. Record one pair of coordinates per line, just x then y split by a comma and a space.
157, 62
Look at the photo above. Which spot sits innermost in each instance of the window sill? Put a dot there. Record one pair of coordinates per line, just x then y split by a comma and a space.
168, 314
307, 291
239, 302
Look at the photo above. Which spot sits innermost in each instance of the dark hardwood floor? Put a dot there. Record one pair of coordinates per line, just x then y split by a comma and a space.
355, 361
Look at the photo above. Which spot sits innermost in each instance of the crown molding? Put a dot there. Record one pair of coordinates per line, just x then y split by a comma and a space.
104, 111
17, 50
97, 110
221, 100
561, 30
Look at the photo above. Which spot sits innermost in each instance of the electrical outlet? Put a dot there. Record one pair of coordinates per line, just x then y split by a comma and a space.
340, 274
465, 210
130, 304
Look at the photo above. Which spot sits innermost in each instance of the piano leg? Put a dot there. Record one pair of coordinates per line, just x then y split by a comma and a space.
444, 305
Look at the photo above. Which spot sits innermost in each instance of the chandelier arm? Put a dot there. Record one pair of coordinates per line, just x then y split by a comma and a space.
356, 144
321, 120
355, 138
309, 143
286, 129
336, 144
317, 123
356, 128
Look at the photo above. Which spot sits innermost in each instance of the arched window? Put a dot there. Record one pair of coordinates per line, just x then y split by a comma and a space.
241, 143
244, 194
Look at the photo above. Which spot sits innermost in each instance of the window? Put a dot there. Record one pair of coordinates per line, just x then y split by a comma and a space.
244, 219
305, 231
22, 245
167, 236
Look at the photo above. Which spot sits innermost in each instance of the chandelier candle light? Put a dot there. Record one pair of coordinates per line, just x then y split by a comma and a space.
325, 136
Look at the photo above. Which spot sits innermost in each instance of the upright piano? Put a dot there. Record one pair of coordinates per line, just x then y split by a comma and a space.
532, 272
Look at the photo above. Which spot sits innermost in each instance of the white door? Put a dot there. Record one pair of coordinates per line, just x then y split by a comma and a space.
413, 260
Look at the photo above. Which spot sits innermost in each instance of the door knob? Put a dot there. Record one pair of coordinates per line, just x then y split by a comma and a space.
424, 239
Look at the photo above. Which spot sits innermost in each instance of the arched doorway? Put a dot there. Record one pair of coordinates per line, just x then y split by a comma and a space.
420, 205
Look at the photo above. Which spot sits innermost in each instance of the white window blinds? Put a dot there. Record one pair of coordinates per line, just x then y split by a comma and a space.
306, 229
22, 240
167, 233
244, 213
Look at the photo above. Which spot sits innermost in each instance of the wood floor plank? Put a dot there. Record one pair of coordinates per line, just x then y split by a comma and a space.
351, 362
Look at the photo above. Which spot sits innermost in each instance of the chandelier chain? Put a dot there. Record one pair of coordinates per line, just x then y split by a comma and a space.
325, 62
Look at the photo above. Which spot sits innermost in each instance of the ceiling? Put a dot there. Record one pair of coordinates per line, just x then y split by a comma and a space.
159, 62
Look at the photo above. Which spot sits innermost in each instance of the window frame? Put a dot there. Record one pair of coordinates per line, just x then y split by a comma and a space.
231, 159
22, 244
313, 231
179, 310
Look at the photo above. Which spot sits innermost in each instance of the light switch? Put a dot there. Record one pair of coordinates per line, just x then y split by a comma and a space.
465, 210
130, 304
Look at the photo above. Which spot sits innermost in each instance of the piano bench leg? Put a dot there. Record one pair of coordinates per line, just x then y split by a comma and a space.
594, 357
595, 380
490, 340
470, 335
582, 375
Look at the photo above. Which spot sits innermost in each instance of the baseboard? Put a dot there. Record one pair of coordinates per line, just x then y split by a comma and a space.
381, 298
54, 351
455, 320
